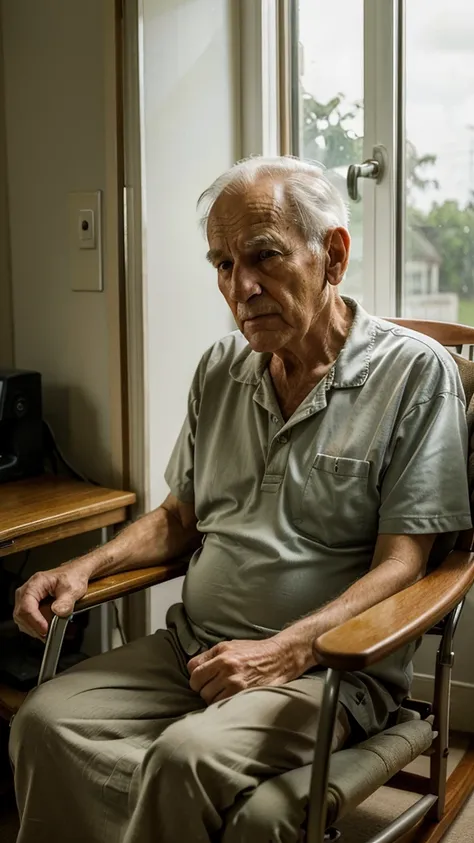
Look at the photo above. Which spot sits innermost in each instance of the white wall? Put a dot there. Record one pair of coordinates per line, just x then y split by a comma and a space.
55, 130
59, 139
190, 130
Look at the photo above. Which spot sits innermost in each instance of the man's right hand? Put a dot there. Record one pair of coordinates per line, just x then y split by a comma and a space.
164, 534
66, 584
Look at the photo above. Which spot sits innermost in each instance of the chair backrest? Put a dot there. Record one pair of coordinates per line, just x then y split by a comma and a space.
460, 338
452, 336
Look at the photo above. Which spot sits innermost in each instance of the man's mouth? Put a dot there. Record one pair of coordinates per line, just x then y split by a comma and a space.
259, 316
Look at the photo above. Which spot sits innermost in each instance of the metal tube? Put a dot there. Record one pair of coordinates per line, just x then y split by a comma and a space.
457, 616
400, 155
294, 60
52, 649
439, 758
446, 645
317, 807
105, 534
405, 821
288, 76
105, 615
441, 709
57, 629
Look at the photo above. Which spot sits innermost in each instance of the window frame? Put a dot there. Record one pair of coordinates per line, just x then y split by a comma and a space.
384, 94
259, 78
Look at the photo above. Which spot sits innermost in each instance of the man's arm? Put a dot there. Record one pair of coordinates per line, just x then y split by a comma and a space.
399, 561
164, 534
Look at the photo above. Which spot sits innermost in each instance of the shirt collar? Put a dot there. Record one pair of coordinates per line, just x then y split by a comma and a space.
350, 369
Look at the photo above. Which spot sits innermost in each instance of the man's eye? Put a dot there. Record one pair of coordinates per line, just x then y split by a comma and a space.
264, 254
223, 266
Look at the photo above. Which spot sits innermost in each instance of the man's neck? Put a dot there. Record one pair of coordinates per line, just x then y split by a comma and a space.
309, 361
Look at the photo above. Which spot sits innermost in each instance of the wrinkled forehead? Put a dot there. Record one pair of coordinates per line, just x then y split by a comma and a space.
258, 208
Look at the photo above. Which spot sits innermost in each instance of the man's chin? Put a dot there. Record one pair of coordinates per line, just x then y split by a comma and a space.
264, 341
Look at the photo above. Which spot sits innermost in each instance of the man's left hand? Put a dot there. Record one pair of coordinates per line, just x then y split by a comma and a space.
234, 666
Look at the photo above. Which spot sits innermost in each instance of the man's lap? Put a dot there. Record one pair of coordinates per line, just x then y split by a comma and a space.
118, 718
125, 693
135, 692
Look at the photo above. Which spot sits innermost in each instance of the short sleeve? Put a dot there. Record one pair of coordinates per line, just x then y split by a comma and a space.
425, 487
179, 473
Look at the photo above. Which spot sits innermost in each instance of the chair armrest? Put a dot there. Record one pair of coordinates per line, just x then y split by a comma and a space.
376, 633
119, 585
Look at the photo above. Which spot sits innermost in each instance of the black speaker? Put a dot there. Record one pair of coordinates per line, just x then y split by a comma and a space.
21, 425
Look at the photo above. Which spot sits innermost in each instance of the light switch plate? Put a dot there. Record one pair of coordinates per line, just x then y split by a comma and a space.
85, 241
86, 228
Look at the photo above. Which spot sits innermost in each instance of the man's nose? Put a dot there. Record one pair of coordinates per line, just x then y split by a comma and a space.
244, 283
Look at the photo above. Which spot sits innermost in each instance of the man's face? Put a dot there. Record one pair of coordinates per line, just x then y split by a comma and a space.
273, 283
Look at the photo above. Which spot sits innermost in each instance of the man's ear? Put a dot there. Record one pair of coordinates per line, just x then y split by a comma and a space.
337, 245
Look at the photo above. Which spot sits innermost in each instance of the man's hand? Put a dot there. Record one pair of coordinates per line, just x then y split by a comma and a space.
66, 584
234, 666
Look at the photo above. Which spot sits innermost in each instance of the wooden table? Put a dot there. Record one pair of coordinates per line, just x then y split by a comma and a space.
47, 508
44, 509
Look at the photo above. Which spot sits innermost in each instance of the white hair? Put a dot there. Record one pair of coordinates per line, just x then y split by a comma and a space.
315, 203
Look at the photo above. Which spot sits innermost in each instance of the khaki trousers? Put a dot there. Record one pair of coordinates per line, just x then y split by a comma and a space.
121, 750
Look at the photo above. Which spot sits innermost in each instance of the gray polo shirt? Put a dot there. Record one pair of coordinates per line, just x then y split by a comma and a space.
289, 512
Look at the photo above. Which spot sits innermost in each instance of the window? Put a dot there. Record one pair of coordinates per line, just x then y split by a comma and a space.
439, 194
343, 114
402, 81
331, 104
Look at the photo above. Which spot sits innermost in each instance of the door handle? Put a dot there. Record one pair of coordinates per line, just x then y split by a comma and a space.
373, 168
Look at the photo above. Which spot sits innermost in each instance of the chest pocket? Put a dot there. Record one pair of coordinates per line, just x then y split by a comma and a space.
337, 507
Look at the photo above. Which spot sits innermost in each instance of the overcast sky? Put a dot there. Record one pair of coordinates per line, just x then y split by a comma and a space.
439, 77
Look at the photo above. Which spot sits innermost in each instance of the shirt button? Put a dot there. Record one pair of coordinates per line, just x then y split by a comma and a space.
282, 440
275, 419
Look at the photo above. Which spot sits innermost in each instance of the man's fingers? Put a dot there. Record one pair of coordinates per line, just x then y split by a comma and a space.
33, 606
201, 659
219, 689
31, 633
28, 616
203, 674
213, 690
65, 600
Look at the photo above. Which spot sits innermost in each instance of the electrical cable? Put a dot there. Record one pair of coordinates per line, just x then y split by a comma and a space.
56, 451
118, 623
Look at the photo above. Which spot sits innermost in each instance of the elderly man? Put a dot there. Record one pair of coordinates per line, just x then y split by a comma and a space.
313, 470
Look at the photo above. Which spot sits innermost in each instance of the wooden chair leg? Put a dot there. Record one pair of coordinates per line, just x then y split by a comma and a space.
460, 786
451, 793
